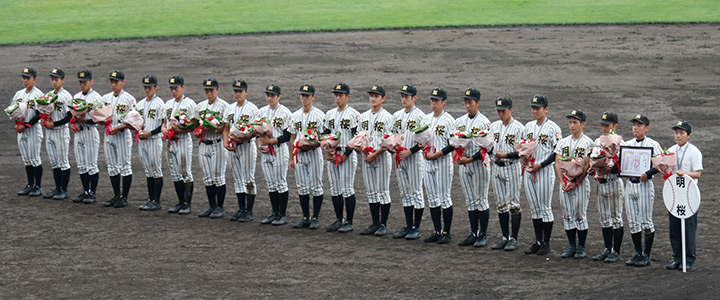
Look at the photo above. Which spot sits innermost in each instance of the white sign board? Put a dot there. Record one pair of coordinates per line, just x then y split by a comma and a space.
681, 196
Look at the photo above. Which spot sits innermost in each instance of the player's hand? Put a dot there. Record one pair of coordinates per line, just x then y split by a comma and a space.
329, 157
464, 160
49, 124
569, 186
680, 173
433, 155
371, 157
643, 177
291, 164
80, 119
405, 154
175, 128
342, 158
197, 134
20, 129
535, 168
227, 146
144, 134
500, 154
422, 146
264, 149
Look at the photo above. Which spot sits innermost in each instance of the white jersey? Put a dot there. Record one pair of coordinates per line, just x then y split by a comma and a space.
406, 123
375, 125
689, 158
23, 96
300, 120
506, 136
153, 113
92, 98
474, 125
218, 107
572, 148
342, 122
279, 118
245, 113
122, 103
646, 142
442, 126
61, 108
184, 105
546, 135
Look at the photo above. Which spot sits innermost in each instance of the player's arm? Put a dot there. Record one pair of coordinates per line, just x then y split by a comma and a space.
693, 174
284, 138
586, 168
558, 173
348, 151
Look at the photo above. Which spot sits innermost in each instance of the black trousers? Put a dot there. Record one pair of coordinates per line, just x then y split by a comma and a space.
676, 238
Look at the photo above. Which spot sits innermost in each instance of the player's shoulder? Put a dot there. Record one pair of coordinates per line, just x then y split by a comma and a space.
223, 102
331, 111
398, 113
496, 124
282, 108
64, 93
530, 124
552, 124
516, 123
448, 118
251, 104
353, 111
316, 111
586, 139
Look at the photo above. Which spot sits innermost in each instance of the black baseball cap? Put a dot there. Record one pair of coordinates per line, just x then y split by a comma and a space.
341, 88
641, 118
210, 84
272, 89
503, 103
117, 75
149, 80
438, 94
684, 126
539, 100
240, 85
29, 72
609, 118
84, 75
307, 89
175, 81
577, 114
471, 94
57, 72
408, 89
376, 89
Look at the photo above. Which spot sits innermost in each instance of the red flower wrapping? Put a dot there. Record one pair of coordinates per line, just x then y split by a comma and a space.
665, 163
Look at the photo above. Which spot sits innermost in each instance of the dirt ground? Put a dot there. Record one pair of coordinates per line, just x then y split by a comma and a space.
57, 249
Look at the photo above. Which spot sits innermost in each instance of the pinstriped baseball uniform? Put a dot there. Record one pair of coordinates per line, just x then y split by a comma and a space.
574, 203
411, 171
275, 166
309, 167
342, 177
244, 158
180, 151
377, 173
57, 141
507, 179
639, 197
611, 198
118, 147
150, 149
213, 157
29, 141
474, 177
87, 139
438, 179
539, 188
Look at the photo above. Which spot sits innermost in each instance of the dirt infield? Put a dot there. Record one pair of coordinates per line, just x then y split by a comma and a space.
57, 249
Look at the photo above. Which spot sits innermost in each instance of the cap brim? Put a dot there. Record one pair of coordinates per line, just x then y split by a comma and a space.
406, 93
437, 98
210, 88
503, 107
27, 75
306, 93
239, 88
537, 104
116, 78
339, 91
638, 120
271, 92
84, 79
607, 122
149, 84
174, 84
575, 117
375, 92
56, 75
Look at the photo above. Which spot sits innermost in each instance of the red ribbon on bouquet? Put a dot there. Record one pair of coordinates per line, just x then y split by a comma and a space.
532, 162
368, 150
231, 144
458, 154
427, 149
108, 127
199, 130
272, 150
19, 123
296, 151
397, 155
137, 136
615, 160
170, 134
44, 118
72, 122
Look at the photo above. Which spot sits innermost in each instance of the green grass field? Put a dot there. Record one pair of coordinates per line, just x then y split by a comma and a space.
39, 21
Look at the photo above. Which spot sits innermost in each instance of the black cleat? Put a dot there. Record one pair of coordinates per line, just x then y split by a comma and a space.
26, 191
122, 202
634, 260
112, 201
79, 198
601, 256
402, 233
445, 239
469, 241
500, 245
90, 198
570, 252
370, 230
533, 248
206, 213
303, 223
334, 226
433, 238
382, 231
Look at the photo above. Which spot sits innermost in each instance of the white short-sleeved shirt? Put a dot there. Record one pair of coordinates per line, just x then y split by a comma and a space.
300, 120
279, 118
245, 113
506, 136
92, 98
442, 126
342, 122
689, 158
184, 105
121, 103
376, 125
61, 108
218, 107
153, 113
406, 123
23, 96
546, 135
572, 148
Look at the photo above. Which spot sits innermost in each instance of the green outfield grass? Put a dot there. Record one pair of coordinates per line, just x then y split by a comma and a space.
38, 21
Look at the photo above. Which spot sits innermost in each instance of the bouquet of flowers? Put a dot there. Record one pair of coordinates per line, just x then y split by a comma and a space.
210, 119
102, 114
598, 159
460, 141
665, 163
484, 140
610, 143
45, 105
262, 127
78, 107
360, 142
134, 119
391, 143
182, 119
571, 168
424, 136
526, 151
329, 144
16, 112
241, 130
308, 137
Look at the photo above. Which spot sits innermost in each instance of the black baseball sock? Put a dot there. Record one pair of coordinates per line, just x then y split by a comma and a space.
94, 178
210, 191
338, 206
127, 181
274, 203
57, 176
30, 175
435, 213
617, 239
65, 179
447, 219
241, 201
250, 203
180, 191
547, 231
515, 220
582, 236
221, 190
649, 237
150, 187
283, 202
607, 233
504, 219
637, 242
571, 237
538, 226
158, 183
317, 204
375, 213
418, 217
408, 216
38, 175
474, 216
85, 180
350, 208
484, 219
189, 190
115, 182
384, 213
305, 205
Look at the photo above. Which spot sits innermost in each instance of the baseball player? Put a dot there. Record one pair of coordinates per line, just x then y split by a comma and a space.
57, 141
180, 146
243, 154
411, 170
474, 176
639, 196
611, 194
87, 141
275, 155
376, 166
308, 162
150, 146
118, 144
439, 168
30, 134
212, 153
341, 174
689, 161
540, 180
575, 193
506, 173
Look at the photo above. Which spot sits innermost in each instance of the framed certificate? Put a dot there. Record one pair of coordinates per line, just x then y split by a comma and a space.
634, 161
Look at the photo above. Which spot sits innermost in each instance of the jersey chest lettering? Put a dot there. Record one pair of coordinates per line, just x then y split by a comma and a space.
278, 122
